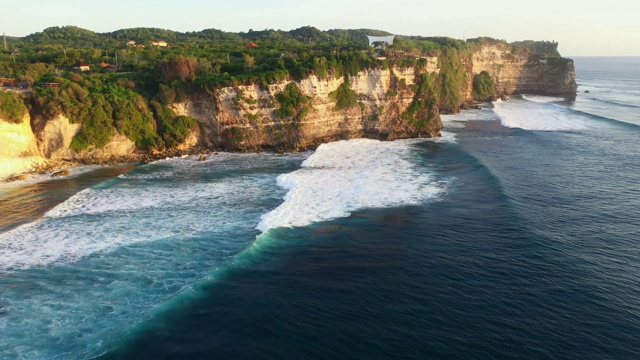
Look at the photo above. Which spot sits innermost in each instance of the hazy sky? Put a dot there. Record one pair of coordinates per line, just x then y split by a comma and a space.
582, 27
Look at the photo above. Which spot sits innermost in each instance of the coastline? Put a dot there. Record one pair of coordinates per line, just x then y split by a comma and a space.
52, 168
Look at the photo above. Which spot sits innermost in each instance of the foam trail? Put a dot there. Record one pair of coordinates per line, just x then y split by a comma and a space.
345, 176
531, 115
102, 220
542, 98
78, 280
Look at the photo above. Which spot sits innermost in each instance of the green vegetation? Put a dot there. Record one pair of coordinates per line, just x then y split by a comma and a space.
345, 97
292, 103
543, 48
452, 79
173, 129
483, 86
424, 106
104, 105
12, 107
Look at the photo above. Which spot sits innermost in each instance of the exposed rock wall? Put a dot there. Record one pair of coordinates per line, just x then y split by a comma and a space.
516, 71
243, 118
18, 148
119, 146
55, 136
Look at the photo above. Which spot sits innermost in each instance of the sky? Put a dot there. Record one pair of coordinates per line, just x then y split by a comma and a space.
581, 27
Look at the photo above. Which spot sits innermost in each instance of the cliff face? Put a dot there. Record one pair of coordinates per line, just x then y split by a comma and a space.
243, 117
54, 136
18, 148
517, 71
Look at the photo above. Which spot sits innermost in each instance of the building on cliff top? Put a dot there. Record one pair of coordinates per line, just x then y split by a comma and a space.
81, 66
388, 40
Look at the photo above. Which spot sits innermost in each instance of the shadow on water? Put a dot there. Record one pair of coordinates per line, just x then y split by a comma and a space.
25, 203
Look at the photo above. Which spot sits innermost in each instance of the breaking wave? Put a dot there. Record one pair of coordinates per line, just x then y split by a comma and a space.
345, 176
537, 115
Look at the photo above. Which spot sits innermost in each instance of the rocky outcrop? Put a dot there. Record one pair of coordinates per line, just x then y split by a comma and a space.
119, 146
18, 148
517, 71
55, 136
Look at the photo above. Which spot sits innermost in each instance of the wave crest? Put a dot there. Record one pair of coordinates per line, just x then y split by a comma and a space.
345, 176
536, 115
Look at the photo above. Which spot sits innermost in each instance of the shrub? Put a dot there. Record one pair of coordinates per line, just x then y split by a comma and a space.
452, 79
320, 67
173, 129
345, 97
12, 107
97, 127
424, 106
292, 103
483, 86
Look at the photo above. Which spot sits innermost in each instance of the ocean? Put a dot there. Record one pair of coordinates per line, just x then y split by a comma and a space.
515, 235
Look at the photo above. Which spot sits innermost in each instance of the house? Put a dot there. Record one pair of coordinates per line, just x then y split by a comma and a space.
131, 43
104, 64
80, 66
251, 45
159, 43
8, 82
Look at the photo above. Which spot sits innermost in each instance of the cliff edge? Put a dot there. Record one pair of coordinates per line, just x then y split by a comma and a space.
385, 102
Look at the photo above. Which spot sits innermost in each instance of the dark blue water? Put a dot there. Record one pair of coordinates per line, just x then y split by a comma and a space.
518, 236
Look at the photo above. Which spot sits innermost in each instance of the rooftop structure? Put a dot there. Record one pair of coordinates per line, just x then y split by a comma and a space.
383, 39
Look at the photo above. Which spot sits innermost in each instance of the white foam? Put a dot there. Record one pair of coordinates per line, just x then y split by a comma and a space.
542, 98
102, 220
444, 137
34, 178
541, 116
97, 201
483, 114
345, 176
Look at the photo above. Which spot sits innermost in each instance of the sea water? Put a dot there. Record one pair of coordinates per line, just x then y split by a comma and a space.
516, 235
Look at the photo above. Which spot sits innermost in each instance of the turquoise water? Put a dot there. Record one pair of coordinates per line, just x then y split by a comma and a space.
513, 236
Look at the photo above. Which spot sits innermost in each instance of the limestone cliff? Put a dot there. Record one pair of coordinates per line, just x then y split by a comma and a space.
517, 71
18, 148
54, 136
243, 118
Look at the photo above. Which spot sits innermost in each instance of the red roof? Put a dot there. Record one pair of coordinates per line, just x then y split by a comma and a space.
79, 64
251, 45
104, 64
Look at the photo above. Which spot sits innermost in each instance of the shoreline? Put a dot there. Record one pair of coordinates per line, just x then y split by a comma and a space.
59, 168
52, 168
